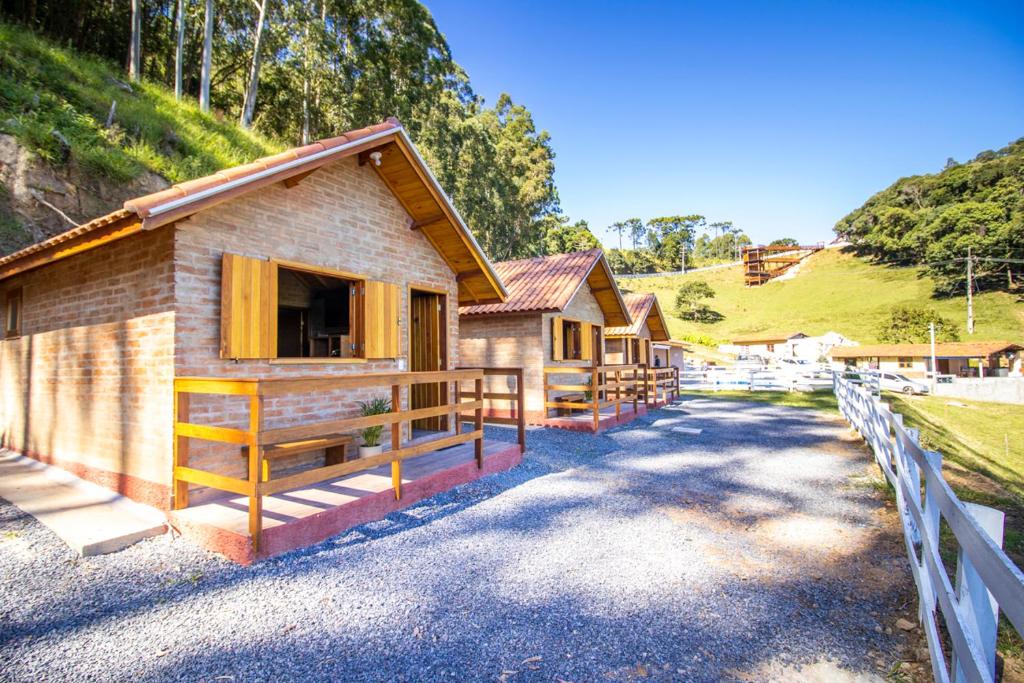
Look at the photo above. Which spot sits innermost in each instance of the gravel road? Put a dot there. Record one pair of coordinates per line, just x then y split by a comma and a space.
756, 550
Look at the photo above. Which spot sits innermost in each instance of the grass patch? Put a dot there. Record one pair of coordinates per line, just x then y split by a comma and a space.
833, 291
818, 400
45, 88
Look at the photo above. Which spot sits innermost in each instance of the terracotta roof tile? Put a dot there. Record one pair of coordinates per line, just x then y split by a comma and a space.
544, 283
145, 204
942, 350
639, 305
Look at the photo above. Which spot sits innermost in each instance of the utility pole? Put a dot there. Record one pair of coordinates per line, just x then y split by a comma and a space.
682, 258
970, 294
931, 333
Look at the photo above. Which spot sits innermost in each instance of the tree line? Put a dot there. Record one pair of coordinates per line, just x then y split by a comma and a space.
968, 212
298, 71
661, 244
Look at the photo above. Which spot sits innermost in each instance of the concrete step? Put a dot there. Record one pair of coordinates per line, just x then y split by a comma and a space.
92, 520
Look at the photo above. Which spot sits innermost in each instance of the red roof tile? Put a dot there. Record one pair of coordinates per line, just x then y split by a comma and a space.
641, 306
942, 350
541, 284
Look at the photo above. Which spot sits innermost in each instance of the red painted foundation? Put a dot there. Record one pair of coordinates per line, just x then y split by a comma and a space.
310, 530
584, 422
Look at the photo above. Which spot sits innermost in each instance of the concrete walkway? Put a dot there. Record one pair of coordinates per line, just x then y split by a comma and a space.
90, 519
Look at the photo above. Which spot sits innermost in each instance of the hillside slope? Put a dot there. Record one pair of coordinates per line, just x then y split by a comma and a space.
834, 290
54, 105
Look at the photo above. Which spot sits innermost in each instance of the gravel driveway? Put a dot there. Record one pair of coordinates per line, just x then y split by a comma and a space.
752, 550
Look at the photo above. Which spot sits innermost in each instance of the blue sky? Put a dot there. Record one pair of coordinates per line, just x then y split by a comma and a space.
779, 116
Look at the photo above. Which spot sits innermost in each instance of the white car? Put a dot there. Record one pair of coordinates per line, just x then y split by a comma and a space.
892, 382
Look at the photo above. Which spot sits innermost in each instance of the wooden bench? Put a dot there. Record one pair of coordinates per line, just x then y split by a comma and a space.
578, 397
335, 447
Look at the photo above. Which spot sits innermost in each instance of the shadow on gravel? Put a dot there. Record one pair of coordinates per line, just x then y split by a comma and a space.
741, 615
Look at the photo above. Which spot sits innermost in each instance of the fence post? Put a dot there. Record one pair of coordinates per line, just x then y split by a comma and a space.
979, 607
636, 391
255, 470
520, 410
618, 409
478, 421
181, 445
595, 398
396, 441
931, 518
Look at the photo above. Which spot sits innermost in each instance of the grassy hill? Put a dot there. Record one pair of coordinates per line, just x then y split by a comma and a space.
834, 290
48, 93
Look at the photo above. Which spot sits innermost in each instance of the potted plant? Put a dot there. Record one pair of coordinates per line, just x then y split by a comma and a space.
371, 435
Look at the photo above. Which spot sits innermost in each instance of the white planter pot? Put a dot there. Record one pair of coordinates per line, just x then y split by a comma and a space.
370, 451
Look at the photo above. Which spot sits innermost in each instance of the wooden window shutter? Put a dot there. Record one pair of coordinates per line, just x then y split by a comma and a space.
248, 307
586, 342
381, 316
643, 351
557, 344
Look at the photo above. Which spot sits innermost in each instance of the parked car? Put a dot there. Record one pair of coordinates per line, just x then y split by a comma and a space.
893, 382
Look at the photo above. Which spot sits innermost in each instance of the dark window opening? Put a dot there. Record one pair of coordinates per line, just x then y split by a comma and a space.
12, 313
572, 346
315, 315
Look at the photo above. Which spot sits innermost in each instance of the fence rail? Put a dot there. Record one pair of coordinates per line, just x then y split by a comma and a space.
257, 439
986, 580
517, 398
594, 388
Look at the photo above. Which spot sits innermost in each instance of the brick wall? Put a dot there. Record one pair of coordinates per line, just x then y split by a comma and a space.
505, 341
88, 384
342, 217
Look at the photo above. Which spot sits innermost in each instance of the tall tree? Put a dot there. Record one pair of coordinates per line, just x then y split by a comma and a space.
135, 44
254, 73
636, 230
179, 51
620, 228
204, 78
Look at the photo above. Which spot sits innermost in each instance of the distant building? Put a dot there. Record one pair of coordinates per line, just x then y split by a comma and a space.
999, 358
765, 344
814, 349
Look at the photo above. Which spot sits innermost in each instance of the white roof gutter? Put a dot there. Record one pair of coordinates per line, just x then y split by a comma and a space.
273, 170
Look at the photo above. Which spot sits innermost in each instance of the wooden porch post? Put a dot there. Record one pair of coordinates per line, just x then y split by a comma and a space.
181, 414
618, 378
595, 397
520, 410
636, 390
478, 422
255, 471
396, 440
458, 409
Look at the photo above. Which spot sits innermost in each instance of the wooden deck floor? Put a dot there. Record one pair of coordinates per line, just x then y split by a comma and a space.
232, 514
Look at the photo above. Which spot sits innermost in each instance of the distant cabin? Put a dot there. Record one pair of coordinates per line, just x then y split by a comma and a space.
556, 314
632, 343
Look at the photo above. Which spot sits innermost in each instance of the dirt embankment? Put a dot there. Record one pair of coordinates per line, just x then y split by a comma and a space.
39, 200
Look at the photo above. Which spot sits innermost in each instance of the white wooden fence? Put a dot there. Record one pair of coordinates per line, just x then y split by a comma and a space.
986, 579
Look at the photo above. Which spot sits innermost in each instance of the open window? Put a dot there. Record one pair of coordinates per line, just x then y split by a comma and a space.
316, 315
571, 339
272, 309
12, 313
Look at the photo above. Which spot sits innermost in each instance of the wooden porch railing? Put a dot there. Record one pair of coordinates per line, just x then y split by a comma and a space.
517, 413
257, 437
608, 385
659, 383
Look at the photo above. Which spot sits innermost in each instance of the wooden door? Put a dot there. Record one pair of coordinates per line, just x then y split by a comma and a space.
427, 353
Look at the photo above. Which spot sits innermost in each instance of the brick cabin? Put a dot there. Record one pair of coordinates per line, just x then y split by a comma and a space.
310, 262
632, 343
556, 313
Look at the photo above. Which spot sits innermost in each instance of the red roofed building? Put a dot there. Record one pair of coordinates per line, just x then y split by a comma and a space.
557, 310
338, 260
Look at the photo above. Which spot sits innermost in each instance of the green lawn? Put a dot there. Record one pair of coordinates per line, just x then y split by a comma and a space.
833, 291
819, 400
987, 438
46, 88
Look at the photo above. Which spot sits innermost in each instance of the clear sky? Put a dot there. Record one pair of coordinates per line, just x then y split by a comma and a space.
779, 116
